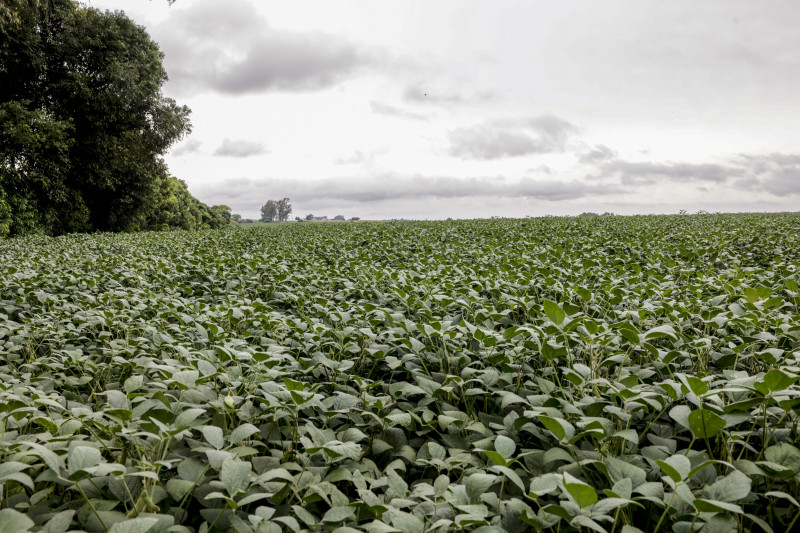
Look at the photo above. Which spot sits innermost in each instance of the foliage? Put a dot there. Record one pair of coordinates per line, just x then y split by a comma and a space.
562, 374
175, 207
276, 210
284, 209
83, 122
269, 211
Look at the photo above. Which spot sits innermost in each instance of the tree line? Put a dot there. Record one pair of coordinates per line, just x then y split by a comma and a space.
84, 125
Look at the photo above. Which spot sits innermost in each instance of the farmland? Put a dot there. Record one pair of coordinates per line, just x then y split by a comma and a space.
610, 374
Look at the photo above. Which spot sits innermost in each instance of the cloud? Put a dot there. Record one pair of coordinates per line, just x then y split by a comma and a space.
192, 146
248, 193
392, 111
433, 93
238, 148
356, 158
228, 47
600, 152
774, 174
777, 174
501, 138
631, 173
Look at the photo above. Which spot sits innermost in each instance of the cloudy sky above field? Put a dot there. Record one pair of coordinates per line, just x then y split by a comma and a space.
460, 108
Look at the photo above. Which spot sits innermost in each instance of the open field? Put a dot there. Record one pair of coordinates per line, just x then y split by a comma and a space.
598, 373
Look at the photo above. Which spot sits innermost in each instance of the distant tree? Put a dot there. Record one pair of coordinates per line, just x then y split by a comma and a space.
338, 217
355, 218
269, 211
236, 217
284, 209
309, 217
224, 211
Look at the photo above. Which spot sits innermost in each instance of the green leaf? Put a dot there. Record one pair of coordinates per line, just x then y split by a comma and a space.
785, 496
585, 521
178, 488
406, 522
545, 484
680, 414
12, 521
665, 330
187, 378
49, 457
477, 484
505, 446
751, 295
785, 455
134, 525
619, 470
511, 475
82, 457
243, 432
583, 494
677, 467
554, 312
235, 476
293, 385
59, 523
214, 437
133, 383
730, 488
559, 427
705, 424
339, 514
777, 380
713, 506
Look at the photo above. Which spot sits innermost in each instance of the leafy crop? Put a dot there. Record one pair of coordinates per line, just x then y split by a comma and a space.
599, 374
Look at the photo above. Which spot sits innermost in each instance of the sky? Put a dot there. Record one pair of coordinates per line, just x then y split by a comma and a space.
473, 109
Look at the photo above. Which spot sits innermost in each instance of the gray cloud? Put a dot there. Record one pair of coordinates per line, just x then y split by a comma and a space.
433, 94
392, 111
356, 158
500, 138
248, 193
600, 152
228, 47
238, 148
776, 174
631, 173
192, 146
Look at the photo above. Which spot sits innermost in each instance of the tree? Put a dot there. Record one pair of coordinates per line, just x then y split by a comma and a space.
269, 211
224, 211
236, 217
284, 209
309, 217
83, 122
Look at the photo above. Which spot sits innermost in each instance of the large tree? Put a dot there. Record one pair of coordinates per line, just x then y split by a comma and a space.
269, 211
83, 121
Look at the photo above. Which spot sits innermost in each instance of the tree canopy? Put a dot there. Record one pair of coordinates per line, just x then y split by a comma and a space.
84, 124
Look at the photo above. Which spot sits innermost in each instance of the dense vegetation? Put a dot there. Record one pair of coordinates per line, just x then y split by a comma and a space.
597, 373
83, 125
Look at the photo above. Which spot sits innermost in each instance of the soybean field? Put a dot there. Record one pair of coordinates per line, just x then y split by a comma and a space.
606, 373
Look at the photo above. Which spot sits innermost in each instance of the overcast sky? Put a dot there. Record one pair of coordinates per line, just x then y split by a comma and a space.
465, 109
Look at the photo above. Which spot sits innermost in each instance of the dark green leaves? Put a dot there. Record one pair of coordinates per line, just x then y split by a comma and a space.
440, 376
705, 424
